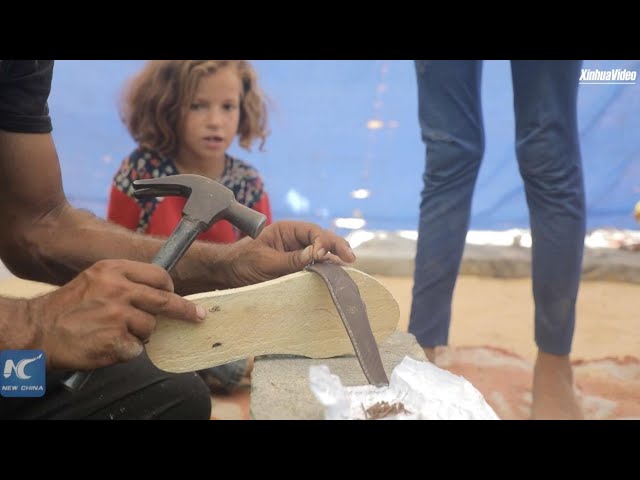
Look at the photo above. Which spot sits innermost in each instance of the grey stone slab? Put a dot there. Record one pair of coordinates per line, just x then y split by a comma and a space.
280, 384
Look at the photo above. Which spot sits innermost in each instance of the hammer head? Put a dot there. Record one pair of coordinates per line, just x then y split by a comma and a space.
208, 201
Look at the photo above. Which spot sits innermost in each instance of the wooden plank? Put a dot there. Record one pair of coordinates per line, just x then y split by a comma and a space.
292, 315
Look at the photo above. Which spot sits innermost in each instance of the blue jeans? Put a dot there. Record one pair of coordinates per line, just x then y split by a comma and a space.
548, 153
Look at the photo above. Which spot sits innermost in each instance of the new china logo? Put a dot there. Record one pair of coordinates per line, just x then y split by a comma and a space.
23, 373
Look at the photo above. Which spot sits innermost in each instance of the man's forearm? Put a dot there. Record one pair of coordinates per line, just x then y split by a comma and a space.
16, 329
68, 240
43, 238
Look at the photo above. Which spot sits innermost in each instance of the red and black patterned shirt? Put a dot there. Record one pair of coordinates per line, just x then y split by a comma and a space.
159, 216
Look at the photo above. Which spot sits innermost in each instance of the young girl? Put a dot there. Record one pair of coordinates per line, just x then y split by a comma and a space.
184, 114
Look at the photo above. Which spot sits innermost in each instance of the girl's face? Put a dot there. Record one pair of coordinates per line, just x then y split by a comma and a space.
211, 120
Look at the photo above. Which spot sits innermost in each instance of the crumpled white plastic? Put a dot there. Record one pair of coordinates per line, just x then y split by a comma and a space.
417, 391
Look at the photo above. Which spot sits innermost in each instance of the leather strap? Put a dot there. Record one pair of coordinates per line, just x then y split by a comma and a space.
352, 310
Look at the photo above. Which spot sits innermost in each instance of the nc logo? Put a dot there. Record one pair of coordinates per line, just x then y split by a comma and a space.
23, 373
19, 368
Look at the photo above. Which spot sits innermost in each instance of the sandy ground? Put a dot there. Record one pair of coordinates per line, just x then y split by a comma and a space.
492, 343
499, 312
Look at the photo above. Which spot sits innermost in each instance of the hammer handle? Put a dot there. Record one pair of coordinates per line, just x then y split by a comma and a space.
172, 251
177, 244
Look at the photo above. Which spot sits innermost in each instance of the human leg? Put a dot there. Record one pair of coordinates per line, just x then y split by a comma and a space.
452, 129
548, 151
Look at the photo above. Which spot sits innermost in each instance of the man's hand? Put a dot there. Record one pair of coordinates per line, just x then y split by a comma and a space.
283, 248
105, 314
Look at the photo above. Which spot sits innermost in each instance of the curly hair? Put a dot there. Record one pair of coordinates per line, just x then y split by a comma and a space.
154, 100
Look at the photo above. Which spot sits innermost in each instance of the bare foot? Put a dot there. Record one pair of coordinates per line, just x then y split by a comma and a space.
554, 397
430, 353
440, 356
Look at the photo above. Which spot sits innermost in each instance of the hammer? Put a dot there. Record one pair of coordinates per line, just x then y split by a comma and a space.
208, 201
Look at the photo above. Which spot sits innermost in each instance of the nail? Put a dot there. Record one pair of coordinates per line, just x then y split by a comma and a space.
201, 312
307, 255
321, 253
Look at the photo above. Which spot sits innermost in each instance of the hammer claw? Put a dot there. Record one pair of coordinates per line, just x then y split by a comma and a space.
159, 191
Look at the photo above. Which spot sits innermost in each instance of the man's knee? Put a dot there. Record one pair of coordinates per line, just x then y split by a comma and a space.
181, 397
174, 397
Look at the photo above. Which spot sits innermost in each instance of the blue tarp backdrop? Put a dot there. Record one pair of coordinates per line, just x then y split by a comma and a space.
339, 126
